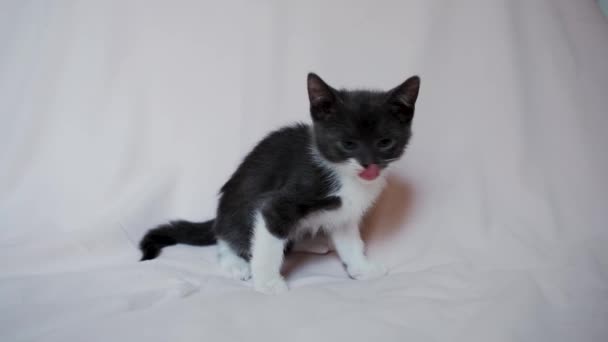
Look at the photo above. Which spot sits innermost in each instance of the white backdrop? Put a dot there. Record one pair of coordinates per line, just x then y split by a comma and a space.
118, 115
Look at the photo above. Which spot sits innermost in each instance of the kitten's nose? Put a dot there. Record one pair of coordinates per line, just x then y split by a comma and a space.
366, 163
366, 159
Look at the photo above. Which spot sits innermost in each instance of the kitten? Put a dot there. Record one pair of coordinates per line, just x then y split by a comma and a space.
302, 179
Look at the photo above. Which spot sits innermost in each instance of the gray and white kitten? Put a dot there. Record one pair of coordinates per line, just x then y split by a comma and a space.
303, 179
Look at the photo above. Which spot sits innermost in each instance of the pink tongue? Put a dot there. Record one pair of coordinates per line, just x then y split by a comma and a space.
370, 173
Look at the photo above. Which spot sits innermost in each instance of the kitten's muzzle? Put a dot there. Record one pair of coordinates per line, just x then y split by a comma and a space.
371, 172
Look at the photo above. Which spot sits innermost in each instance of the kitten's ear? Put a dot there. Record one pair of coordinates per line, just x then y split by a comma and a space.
402, 98
322, 98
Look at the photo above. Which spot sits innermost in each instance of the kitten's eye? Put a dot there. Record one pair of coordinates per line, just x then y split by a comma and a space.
348, 145
385, 144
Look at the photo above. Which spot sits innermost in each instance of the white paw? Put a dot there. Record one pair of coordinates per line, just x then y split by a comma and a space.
240, 271
272, 286
236, 267
366, 271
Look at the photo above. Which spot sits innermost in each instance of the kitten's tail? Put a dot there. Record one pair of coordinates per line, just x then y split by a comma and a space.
174, 232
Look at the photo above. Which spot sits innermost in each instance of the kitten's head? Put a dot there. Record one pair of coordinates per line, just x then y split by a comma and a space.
361, 129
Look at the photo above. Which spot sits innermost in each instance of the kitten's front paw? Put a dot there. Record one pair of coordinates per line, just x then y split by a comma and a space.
272, 286
366, 271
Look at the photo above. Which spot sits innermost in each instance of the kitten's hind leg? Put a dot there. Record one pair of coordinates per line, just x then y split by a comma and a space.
272, 226
267, 258
235, 266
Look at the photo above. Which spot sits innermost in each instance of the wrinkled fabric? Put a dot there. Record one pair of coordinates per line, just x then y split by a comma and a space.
119, 115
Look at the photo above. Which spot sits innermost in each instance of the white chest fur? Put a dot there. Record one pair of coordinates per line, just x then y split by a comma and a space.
357, 197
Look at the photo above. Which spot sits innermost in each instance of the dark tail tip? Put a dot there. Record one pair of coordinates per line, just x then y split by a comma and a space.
153, 242
172, 233
149, 252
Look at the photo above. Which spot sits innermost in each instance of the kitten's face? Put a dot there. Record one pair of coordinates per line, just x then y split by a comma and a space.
365, 130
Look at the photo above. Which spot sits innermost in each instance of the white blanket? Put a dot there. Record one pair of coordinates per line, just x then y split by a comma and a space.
118, 115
